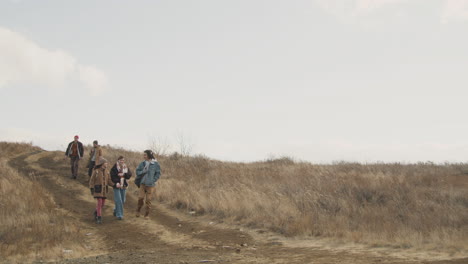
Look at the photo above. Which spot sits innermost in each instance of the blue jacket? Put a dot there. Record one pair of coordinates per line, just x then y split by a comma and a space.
150, 177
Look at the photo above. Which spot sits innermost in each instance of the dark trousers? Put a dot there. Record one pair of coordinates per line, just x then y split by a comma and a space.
74, 162
91, 165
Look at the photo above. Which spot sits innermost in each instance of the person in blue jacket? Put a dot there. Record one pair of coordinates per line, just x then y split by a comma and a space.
147, 174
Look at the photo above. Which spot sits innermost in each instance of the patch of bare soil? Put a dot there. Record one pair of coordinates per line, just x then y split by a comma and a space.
167, 237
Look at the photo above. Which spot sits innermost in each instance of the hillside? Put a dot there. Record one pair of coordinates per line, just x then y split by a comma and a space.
276, 211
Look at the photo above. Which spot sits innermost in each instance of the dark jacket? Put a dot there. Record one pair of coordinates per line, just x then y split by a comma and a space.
68, 152
114, 173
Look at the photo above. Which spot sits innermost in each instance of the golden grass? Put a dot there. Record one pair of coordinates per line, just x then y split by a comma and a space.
31, 228
422, 205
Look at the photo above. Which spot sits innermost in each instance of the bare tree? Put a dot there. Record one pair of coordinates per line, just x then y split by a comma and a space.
185, 144
160, 146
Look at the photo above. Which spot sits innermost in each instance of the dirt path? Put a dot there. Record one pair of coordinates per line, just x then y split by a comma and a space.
168, 237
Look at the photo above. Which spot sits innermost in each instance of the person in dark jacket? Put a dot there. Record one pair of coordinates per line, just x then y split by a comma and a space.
120, 173
148, 173
75, 152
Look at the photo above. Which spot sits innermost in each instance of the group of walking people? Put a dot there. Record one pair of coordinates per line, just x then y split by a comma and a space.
100, 178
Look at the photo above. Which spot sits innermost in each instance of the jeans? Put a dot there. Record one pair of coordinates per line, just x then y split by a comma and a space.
119, 200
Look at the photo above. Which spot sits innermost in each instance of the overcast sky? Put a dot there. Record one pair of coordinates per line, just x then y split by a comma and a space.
318, 80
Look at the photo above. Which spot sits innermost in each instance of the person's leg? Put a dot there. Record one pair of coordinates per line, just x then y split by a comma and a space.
97, 212
118, 202
101, 202
99, 206
115, 203
123, 193
90, 169
141, 197
72, 166
149, 196
77, 161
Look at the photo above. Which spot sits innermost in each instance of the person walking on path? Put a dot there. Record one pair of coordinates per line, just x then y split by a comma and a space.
148, 173
94, 154
75, 152
98, 186
120, 173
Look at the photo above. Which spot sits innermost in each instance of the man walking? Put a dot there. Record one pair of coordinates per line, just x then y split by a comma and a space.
75, 152
94, 154
148, 173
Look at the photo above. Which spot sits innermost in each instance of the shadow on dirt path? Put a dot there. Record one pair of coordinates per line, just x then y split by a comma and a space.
164, 238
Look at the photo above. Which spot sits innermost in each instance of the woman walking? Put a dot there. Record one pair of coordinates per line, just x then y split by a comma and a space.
98, 185
148, 173
120, 173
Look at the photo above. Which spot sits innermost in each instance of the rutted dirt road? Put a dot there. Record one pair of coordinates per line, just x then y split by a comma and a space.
168, 237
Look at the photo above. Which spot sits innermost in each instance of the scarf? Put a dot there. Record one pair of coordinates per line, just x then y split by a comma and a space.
122, 169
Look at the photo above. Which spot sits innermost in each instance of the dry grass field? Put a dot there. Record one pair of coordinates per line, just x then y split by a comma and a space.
31, 226
399, 206
421, 205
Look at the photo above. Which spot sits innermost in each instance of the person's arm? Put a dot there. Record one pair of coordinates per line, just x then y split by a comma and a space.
68, 150
128, 175
140, 170
114, 175
81, 150
110, 182
139, 174
158, 172
114, 172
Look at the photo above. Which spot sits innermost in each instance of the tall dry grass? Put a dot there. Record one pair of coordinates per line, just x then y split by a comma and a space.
402, 205
31, 228
422, 205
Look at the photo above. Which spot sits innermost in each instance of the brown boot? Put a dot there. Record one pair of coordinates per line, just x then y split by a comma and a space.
140, 204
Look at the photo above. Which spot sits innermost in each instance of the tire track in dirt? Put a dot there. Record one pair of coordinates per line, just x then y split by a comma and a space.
123, 241
166, 238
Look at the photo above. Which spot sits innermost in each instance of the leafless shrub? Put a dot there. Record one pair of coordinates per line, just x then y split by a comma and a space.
160, 146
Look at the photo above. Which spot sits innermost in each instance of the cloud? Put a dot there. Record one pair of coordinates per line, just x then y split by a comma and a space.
454, 10
349, 9
367, 6
93, 78
355, 8
25, 62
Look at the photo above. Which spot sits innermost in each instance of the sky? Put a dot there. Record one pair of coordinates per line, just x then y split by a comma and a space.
316, 80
